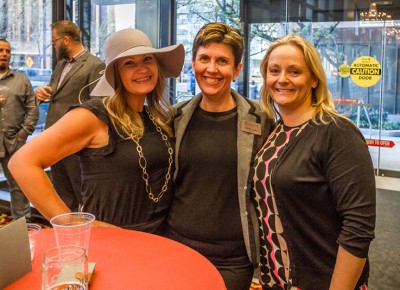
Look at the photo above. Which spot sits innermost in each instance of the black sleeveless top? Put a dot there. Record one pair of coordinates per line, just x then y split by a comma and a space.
112, 184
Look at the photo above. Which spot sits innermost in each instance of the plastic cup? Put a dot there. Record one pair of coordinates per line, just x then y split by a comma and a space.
33, 230
65, 267
73, 229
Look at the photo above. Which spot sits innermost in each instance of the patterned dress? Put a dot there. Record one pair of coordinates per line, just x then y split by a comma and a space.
274, 262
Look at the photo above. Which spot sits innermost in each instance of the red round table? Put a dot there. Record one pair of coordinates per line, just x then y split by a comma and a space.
133, 260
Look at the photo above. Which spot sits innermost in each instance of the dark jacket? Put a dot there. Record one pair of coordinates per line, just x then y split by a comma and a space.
324, 188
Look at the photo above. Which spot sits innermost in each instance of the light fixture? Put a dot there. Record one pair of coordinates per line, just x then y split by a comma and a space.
374, 15
392, 29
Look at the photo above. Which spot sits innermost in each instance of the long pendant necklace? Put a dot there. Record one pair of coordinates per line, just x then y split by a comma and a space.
143, 163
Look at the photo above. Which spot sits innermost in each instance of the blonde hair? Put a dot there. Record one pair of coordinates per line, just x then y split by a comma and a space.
322, 98
128, 123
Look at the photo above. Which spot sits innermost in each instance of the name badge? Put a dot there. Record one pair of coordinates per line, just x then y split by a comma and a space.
251, 127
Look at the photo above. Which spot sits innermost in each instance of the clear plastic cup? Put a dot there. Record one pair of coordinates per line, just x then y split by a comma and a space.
73, 229
33, 230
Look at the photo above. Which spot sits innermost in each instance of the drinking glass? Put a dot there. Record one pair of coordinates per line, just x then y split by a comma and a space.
65, 268
33, 230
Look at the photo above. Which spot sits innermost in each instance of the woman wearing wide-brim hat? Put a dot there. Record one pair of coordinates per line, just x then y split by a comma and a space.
123, 140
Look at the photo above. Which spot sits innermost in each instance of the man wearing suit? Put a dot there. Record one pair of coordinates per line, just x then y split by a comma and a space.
73, 78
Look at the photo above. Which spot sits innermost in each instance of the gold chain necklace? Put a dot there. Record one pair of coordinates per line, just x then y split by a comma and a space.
143, 163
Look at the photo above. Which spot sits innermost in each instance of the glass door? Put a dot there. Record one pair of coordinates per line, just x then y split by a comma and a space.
108, 16
348, 38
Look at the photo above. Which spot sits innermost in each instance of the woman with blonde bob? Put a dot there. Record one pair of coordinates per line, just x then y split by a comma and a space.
323, 102
314, 183
123, 140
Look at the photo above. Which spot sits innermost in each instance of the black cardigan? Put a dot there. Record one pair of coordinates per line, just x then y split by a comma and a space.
324, 186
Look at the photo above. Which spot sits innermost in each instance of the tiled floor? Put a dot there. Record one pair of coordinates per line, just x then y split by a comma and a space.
388, 183
384, 252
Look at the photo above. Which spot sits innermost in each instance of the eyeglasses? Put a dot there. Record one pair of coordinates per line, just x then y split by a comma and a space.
53, 41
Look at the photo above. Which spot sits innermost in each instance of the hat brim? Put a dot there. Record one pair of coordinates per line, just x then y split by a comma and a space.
170, 60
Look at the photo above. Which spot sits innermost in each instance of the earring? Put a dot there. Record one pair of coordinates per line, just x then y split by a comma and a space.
314, 99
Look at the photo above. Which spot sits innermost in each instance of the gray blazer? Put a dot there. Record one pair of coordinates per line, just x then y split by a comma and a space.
248, 145
86, 70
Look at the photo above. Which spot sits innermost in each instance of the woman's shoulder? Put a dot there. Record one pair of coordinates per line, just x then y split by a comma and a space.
246, 103
93, 103
96, 106
339, 123
337, 128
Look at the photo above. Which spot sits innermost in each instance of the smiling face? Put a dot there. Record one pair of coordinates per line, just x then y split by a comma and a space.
289, 80
138, 74
214, 69
5, 56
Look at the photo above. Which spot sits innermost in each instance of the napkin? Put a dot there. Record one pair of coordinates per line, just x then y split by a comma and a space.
15, 255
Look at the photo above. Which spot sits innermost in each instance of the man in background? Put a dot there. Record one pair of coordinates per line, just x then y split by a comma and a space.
73, 78
18, 118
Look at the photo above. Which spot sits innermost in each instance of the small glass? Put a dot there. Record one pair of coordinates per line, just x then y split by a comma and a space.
33, 230
65, 268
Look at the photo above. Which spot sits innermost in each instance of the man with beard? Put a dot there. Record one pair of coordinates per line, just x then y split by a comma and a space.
73, 78
18, 118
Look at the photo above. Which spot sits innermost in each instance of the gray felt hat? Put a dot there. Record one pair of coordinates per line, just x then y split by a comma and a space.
129, 42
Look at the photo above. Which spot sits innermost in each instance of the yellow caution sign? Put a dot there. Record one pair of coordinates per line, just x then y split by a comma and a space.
29, 61
344, 70
365, 71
